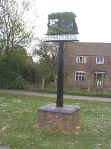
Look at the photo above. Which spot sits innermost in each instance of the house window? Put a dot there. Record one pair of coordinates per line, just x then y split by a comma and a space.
80, 75
81, 59
100, 60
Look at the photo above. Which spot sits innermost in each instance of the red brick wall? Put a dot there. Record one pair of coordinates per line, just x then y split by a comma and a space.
90, 50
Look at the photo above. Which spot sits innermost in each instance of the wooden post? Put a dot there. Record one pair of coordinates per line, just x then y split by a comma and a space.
60, 79
43, 83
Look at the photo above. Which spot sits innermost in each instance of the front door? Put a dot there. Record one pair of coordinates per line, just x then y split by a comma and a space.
99, 79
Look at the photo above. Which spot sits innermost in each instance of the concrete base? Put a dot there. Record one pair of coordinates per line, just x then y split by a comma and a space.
64, 119
4, 147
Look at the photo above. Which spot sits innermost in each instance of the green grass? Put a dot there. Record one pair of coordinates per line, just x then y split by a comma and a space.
18, 114
75, 92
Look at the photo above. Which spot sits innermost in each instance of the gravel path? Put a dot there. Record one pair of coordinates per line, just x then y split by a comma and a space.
29, 93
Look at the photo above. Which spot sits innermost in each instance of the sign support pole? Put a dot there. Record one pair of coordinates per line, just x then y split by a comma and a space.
60, 80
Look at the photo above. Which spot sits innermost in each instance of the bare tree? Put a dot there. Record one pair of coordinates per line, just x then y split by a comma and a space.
12, 27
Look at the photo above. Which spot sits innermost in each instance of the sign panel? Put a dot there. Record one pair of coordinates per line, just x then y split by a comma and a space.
62, 23
61, 37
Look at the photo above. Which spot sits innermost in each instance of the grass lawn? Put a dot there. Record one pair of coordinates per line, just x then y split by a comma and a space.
18, 115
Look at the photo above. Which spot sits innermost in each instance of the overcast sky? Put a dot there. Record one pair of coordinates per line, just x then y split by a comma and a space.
93, 17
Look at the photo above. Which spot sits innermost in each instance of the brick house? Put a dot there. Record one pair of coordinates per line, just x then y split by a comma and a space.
87, 65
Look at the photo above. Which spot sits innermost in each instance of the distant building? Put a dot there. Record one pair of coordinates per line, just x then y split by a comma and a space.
87, 65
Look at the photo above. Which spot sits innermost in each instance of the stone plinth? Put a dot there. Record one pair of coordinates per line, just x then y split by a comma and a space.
64, 119
4, 147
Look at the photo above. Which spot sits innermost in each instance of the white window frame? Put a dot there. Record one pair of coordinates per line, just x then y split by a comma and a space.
81, 59
99, 59
81, 76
